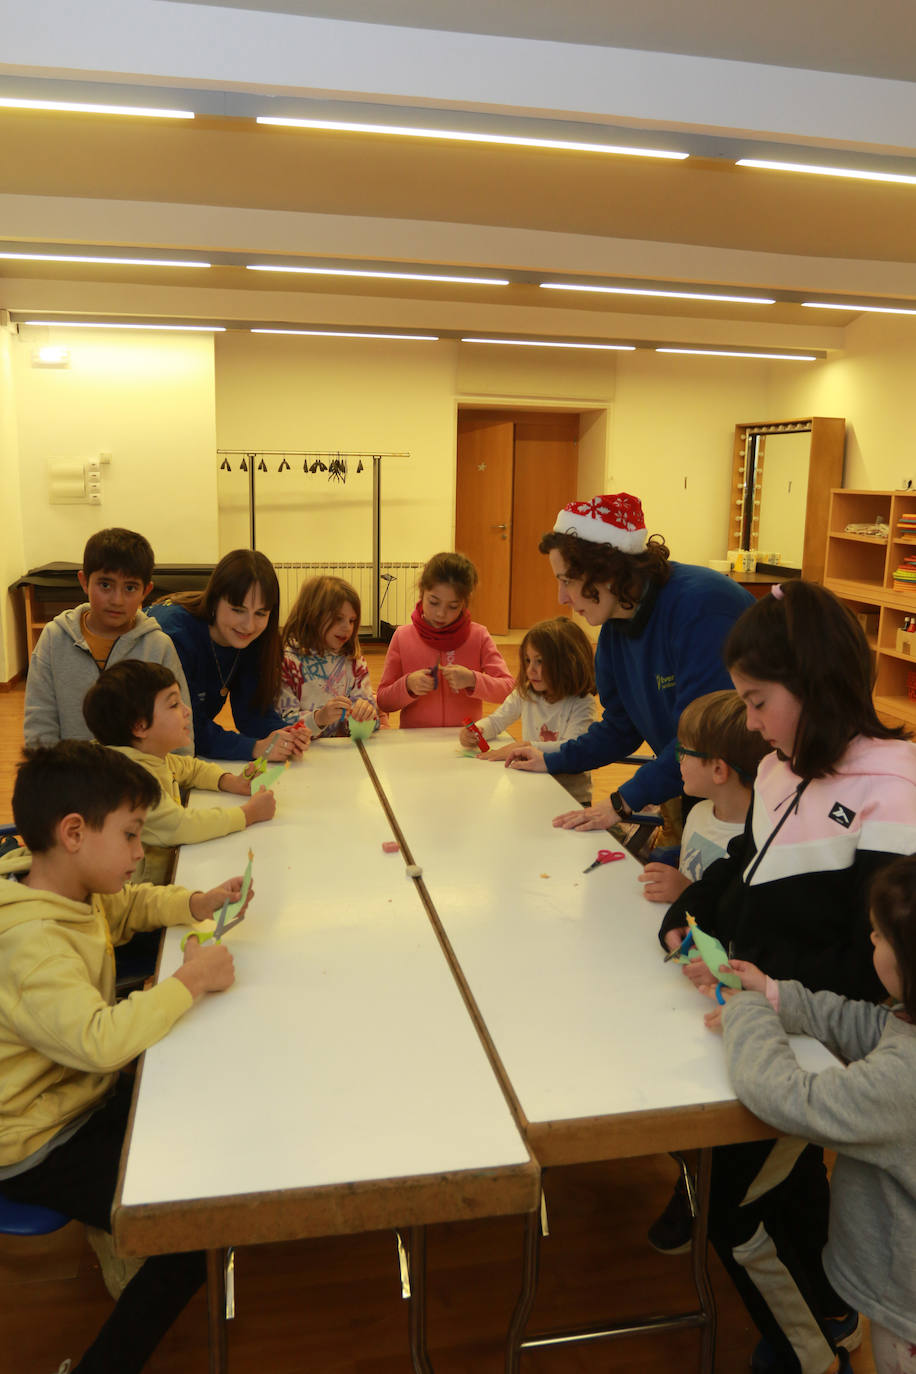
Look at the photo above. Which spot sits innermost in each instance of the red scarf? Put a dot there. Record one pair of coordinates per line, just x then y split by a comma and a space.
450, 637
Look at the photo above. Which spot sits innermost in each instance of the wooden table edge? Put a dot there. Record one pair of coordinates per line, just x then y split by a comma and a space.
333, 1209
585, 1140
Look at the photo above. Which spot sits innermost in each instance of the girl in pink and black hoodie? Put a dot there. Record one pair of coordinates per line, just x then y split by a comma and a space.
441, 667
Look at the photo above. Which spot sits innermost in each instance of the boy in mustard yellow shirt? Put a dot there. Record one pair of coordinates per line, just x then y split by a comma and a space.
136, 708
64, 902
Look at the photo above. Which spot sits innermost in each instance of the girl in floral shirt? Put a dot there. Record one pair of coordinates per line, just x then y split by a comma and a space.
324, 679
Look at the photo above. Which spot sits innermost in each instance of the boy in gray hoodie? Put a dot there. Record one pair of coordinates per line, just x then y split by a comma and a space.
117, 574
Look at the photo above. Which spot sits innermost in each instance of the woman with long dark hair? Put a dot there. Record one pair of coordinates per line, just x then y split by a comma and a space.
228, 640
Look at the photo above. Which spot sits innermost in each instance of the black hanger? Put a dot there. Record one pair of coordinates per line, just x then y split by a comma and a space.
243, 465
262, 466
284, 465
224, 466
359, 465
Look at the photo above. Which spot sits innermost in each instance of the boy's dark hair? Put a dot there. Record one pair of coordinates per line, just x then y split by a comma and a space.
892, 899
121, 551
716, 725
124, 696
626, 574
232, 579
453, 568
75, 777
802, 637
567, 660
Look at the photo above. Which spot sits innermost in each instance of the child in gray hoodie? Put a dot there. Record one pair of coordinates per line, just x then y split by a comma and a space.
864, 1108
117, 574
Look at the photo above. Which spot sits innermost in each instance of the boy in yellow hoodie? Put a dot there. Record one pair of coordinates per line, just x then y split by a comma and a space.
63, 1105
136, 708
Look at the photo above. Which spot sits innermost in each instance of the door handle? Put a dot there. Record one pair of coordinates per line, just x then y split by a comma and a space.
500, 527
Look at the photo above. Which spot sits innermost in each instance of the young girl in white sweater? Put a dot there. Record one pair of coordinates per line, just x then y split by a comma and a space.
554, 694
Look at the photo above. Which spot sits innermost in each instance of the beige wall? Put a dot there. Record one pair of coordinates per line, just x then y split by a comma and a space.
162, 403
871, 384
147, 399
12, 563
281, 392
674, 425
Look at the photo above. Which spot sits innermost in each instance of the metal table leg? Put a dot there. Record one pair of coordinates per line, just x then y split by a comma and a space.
216, 1311
412, 1259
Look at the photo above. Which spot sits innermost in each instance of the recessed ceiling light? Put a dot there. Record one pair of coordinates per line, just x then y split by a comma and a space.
645, 291
826, 171
362, 272
552, 343
468, 136
81, 107
348, 334
116, 262
734, 353
851, 305
112, 324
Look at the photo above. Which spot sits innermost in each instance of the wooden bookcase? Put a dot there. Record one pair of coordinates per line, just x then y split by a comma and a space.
859, 570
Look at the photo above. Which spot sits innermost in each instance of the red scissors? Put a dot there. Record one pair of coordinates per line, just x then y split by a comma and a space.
605, 856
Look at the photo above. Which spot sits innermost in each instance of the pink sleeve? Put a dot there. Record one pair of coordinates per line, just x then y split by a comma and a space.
492, 681
392, 694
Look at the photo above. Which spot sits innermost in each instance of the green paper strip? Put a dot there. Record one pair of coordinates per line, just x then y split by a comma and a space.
712, 953
269, 777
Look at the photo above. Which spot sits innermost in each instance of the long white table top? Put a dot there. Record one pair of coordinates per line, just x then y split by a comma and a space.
339, 1083
603, 1043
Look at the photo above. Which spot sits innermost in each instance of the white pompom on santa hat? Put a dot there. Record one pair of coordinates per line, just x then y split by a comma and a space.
616, 520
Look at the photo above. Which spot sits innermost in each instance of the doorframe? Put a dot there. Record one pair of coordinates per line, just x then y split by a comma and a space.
598, 467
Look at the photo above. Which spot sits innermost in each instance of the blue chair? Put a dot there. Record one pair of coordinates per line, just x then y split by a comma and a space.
28, 1219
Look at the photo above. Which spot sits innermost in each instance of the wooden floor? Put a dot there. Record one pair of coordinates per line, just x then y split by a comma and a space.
334, 1306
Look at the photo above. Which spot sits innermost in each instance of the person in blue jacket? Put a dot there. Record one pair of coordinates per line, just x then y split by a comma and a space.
663, 625
228, 641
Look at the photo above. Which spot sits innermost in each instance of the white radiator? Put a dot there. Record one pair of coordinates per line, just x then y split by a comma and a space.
400, 579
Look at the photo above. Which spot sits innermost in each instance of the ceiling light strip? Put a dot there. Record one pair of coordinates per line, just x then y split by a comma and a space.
467, 136
553, 343
112, 324
365, 272
851, 305
348, 334
114, 262
82, 107
812, 170
646, 291
735, 353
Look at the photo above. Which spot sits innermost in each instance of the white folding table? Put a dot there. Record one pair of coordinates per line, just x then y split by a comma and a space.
602, 1043
339, 1086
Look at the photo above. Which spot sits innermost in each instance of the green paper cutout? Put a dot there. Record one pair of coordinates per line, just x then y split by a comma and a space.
712, 953
269, 777
235, 907
361, 729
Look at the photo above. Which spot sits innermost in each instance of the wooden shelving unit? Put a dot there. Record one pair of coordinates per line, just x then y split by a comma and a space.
859, 570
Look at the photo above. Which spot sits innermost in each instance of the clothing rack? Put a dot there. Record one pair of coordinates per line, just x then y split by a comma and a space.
254, 460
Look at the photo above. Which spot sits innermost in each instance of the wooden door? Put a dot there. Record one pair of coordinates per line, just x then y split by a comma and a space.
546, 464
483, 513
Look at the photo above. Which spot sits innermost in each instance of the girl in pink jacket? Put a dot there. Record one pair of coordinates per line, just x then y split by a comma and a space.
441, 667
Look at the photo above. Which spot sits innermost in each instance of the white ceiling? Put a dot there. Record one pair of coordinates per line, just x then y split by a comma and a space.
829, 81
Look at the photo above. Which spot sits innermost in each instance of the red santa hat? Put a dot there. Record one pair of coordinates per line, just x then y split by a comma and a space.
616, 520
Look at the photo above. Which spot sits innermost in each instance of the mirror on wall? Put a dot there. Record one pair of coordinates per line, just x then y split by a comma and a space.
782, 474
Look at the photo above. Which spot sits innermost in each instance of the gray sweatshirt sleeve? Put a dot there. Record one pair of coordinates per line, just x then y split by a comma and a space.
858, 1109
848, 1029
42, 719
